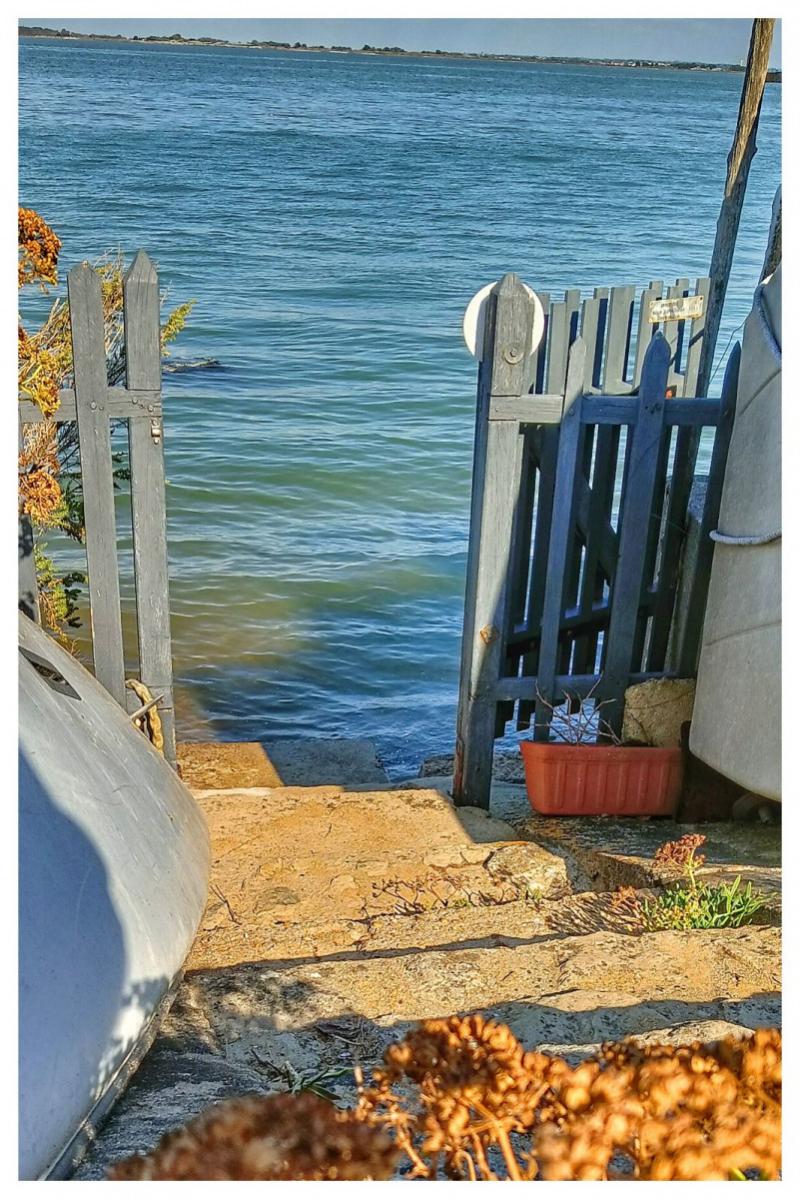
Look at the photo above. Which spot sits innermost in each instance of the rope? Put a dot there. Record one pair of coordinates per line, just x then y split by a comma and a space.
148, 722
744, 539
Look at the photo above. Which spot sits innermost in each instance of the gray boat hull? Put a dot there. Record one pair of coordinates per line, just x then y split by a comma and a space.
114, 862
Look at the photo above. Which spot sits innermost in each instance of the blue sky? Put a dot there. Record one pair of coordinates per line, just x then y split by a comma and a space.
715, 40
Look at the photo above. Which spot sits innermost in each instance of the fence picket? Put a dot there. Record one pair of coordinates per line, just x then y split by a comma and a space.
27, 589
673, 331
620, 318
645, 328
94, 440
148, 498
634, 526
695, 341
560, 534
687, 444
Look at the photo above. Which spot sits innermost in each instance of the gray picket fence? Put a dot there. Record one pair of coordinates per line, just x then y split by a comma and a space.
585, 458
93, 405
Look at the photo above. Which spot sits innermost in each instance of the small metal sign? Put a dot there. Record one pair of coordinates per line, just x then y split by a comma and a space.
682, 308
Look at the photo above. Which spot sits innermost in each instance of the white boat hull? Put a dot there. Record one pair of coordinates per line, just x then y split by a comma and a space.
114, 862
736, 726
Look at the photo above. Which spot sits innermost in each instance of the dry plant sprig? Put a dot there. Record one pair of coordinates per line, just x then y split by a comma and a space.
38, 250
416, 896
473, 1086
578, 722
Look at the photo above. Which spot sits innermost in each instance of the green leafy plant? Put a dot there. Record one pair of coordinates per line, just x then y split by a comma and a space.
691, 903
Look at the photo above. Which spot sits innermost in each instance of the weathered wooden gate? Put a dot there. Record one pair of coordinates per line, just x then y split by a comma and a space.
94, 405
585, 454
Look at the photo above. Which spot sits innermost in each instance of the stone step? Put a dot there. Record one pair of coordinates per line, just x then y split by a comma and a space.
316, 1018
338, 918
307, 870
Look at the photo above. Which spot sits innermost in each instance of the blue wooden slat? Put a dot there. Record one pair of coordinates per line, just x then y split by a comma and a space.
560, 533
635, 526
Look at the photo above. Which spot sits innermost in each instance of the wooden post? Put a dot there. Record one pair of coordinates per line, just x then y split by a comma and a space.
739, 159
148, 499
94, 439
504, 371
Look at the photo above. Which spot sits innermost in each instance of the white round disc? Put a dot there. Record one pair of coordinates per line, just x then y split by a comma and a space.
475, 320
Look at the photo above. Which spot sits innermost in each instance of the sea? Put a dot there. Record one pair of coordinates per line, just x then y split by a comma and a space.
331, 214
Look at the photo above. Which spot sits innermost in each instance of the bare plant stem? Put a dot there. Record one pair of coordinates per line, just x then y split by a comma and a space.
480, 1156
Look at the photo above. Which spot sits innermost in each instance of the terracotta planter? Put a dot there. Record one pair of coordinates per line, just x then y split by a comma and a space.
601, 780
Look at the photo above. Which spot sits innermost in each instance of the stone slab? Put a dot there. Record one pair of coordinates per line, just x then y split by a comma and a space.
305, 870
568, 994
222, 764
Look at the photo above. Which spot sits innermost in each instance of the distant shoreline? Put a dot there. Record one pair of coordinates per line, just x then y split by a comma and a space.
66, 35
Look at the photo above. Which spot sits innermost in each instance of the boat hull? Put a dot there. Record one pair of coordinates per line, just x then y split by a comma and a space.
736, 726
114, 862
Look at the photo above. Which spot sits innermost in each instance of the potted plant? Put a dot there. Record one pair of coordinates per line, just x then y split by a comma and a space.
578, 775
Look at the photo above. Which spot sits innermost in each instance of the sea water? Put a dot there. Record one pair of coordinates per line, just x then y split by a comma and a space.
332, 214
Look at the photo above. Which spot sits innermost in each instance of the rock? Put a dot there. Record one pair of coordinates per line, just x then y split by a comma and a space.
215, 765
506, 767
656, 710
482, 827
537, 872
753, 809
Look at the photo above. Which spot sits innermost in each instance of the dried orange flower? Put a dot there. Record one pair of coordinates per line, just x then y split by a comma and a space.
38, 249
461, 1093
40, 494
460, 1097
275, 1137
682, 851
